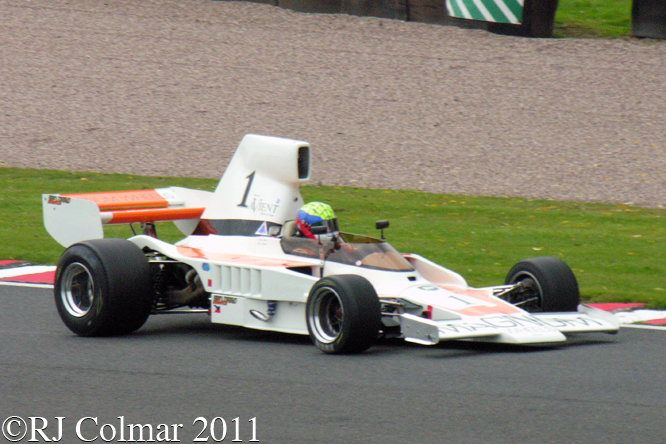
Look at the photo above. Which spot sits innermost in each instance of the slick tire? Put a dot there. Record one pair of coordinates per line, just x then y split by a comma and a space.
343, 314
550, 280
103, 287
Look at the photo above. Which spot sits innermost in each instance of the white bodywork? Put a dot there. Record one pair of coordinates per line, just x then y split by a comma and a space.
253, 283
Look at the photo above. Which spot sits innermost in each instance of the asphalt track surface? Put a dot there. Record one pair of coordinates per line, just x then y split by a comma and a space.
596, 389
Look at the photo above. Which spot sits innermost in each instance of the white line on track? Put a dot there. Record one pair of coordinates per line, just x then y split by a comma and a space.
644, 326
26, 284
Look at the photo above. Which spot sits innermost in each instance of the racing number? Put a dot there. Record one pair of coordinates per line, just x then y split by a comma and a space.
249, 178
218, 429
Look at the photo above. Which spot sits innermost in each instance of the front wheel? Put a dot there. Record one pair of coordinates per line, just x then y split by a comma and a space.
548, 285
103, 287
343, 314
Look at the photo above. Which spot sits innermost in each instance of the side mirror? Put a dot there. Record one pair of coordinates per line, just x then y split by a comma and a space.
380, 225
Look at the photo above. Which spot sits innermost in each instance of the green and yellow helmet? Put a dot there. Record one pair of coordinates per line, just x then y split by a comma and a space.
316, 214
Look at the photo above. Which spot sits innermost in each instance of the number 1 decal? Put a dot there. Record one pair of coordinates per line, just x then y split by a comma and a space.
249, 178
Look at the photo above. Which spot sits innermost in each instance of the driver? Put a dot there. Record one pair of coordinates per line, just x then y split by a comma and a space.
317, 214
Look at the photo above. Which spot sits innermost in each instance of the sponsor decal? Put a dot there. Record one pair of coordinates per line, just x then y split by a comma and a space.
223, 300
520, 323
258, 205
57, 200
262, 230
206, 266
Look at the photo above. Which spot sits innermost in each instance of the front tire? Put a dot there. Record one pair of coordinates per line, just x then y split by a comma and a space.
103, 287
343, 314
549, 285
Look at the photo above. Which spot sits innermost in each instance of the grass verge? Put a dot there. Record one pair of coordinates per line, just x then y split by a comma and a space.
614, 250
593, 18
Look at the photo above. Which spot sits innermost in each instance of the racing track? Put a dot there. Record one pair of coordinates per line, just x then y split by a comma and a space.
598, 389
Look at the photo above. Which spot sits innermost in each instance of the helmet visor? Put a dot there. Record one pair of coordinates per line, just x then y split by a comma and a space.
331, 225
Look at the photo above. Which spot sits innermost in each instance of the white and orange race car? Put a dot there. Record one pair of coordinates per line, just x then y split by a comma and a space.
240, 262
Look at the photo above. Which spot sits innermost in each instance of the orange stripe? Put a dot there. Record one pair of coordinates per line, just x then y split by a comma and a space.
123, 199
240, 259
153, 215
484, 295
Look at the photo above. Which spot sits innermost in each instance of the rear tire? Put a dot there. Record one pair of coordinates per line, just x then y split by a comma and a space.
547, 280
343, 314
103, 287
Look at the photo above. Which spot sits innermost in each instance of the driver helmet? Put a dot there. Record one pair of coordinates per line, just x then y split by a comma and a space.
317, 214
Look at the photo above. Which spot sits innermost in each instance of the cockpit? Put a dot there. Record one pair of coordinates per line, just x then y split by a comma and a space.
350, 249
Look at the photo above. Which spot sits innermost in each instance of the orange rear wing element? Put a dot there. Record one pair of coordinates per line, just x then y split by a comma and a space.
71, 218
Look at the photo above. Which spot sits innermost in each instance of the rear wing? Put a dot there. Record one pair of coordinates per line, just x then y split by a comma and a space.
71, 218
260, 185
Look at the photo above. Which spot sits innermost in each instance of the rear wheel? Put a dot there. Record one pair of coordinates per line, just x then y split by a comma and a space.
343, 314
103, 287
548, 285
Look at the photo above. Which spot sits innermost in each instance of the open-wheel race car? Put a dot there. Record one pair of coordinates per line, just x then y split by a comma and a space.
243, 261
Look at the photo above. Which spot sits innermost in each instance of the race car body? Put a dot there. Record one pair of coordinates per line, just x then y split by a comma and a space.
241, 261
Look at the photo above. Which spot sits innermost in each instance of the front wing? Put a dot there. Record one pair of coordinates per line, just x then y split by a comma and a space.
521, 328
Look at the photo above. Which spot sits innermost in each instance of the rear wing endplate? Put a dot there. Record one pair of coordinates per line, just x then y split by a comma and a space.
71, 218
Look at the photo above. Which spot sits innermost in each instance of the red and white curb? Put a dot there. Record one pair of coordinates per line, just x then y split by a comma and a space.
18, 273
634, 315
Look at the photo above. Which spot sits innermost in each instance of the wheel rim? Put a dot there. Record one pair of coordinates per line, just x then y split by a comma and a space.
77, 289
530, 297
326, 315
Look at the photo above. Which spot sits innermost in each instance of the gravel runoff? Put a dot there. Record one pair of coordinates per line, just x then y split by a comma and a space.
162, 87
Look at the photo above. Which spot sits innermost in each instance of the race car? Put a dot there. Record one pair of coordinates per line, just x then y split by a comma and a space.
243, 262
